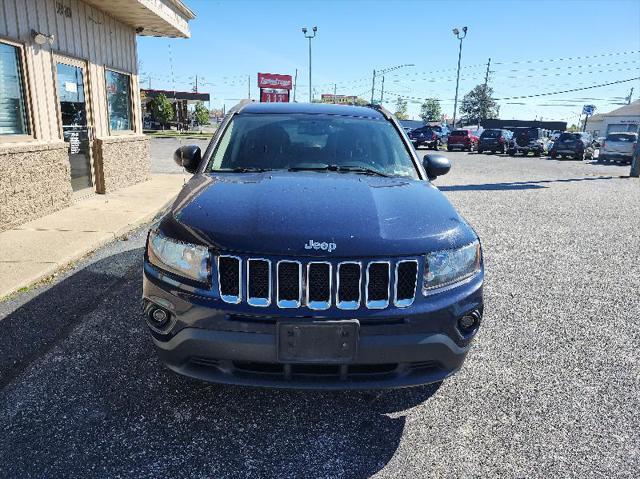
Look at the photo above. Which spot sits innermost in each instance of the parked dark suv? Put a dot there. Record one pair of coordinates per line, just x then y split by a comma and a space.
425, 136
310, 249
528, 140
577, 145
494, 141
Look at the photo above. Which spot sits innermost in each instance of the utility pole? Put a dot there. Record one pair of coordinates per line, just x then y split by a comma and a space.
304, 31
196, 83
295, 85
456, 32
629, 97
382, 91
373, 85
249, 87
335, 89
484, 89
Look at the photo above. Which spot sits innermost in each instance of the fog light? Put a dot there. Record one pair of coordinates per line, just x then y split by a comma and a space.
159, 316
469, 322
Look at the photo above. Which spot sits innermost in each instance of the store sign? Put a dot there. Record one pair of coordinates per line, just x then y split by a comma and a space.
273, 80
274, 96
340, 99
274, 88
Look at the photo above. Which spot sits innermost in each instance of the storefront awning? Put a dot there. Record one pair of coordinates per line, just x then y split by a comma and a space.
160, 18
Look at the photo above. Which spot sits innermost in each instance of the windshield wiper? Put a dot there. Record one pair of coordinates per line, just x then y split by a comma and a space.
242, 169
349, 169
364, 171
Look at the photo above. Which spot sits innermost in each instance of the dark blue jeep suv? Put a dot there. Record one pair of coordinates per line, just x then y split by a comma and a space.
311, 250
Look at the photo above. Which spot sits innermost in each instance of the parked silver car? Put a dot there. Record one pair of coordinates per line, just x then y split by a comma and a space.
618, 147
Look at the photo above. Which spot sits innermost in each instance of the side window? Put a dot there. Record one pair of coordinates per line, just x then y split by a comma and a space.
119, 100
13, 102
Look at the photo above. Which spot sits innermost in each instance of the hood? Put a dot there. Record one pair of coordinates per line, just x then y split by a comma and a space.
278, 213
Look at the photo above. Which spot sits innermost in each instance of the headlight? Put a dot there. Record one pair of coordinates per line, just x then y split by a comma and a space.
445, 267
184, 259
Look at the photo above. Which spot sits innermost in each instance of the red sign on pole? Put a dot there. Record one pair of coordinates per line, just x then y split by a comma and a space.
273, 80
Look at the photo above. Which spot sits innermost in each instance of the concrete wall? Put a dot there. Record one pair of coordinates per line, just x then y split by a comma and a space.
123, 161
34, 181
82, 32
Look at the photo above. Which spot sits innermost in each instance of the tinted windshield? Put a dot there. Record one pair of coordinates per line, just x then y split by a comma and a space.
490, 134
621, 137
458, 133
300, 141
569, 137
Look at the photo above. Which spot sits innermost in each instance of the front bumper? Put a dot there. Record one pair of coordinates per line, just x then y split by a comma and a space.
616, 156
397, 347
525, 150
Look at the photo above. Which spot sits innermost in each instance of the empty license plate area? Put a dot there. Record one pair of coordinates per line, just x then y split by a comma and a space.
318, 341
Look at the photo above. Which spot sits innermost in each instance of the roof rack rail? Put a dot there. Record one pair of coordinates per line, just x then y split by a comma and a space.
386, 113
241, 105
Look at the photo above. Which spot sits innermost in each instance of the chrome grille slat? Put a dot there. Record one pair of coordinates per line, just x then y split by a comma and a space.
406, 276
386, 283
318, 285
349, 285
378, 284
259, 282
288, 280
230, 278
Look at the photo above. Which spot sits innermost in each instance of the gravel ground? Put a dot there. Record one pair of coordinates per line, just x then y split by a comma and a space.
550, 388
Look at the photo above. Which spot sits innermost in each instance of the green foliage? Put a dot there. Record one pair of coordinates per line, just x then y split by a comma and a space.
478, 105
573, 127
430, 110
162, 109
201, 114
401, 109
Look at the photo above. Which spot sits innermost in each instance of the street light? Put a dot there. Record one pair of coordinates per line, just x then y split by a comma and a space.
382, 72
304, 31
460, 37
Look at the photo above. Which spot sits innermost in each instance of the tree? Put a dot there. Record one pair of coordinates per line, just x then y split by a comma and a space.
430, 110
478, 105
401, 109
573, 127
162, 110
201, 114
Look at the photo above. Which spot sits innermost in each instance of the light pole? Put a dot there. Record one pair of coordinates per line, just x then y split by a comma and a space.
383, 72
304, 31
460, 37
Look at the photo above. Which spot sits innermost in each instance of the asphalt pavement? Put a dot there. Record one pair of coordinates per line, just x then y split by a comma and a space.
550, 388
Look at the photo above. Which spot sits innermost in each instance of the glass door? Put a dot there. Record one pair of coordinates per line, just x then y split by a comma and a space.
75, 122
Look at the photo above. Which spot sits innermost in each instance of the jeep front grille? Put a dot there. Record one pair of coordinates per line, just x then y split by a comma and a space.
317, 285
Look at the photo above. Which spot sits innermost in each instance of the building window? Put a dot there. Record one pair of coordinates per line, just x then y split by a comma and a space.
119, 100
13, 108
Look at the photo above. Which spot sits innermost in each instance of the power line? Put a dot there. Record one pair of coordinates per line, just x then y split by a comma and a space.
583, 57
567, 91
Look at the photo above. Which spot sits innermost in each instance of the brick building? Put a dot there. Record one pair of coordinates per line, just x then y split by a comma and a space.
70, 122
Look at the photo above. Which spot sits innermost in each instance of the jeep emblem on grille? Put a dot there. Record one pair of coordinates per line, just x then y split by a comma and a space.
324, 246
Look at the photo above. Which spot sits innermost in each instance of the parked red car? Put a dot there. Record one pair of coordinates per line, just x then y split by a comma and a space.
462, 140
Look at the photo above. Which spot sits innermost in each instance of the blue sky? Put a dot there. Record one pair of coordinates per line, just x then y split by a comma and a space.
233, 40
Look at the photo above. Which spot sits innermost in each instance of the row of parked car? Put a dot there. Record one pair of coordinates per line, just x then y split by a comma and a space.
523, 141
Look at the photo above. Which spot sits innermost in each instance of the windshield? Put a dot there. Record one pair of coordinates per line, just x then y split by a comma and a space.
490, 134
459, 133
303, 141
628, 137
569, 137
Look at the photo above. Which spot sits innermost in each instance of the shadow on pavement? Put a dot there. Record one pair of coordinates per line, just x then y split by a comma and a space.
89, 397
518, 185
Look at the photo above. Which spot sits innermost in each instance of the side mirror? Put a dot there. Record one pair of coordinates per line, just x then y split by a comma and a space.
436, 165
188, 157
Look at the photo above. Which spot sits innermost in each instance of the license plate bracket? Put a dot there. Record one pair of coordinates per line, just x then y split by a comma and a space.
318, 341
